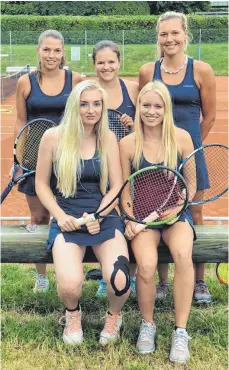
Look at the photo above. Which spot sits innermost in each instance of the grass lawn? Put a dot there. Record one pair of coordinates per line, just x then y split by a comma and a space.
135, 56
32, 336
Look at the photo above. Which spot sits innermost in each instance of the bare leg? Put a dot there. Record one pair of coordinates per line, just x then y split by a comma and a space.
68, 265
197, 215
145, 250
163, 272
179, 239
39, 216
107, 253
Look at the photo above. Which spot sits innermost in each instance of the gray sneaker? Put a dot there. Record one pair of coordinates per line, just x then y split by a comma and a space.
179, 350
147, 338
41, 284
162, 290
201, 292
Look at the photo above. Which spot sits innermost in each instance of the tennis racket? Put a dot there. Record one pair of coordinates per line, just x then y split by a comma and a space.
222, 273
116, 125
209, 176
145, 192
25, 151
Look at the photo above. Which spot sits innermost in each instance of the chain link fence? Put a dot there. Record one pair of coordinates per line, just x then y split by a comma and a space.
136, 46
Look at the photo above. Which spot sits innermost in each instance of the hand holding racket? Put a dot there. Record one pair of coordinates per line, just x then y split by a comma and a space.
118, 123
214, 159
138, 197
25, 151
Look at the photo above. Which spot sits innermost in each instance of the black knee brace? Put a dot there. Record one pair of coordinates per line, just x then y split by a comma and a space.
122, 264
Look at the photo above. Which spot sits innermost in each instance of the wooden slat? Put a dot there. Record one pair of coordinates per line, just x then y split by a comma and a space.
21, 246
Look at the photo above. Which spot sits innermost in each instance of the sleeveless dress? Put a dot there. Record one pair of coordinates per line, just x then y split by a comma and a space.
127, 107
87, 199
186, 101
186, 215
40, 105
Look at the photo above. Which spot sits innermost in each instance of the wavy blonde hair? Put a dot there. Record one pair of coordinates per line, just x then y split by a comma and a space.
68, 163
169, 143
184, 24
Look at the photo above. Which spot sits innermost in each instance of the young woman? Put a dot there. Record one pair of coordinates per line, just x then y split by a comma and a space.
122, 96
84, 156
157, 140
43, 93
191, 84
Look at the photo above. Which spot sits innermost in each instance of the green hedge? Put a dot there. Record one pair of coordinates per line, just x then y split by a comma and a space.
79, 8
140, 29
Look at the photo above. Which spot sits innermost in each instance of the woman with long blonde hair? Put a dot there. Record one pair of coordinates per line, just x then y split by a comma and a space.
191, 84
157, 140
83, 155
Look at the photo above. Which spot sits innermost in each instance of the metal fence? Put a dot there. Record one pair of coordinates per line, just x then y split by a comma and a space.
137, 46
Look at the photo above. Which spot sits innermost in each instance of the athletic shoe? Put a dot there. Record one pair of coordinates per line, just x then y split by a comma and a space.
73, 333
102, 288
111, 330
146, 338
162, 290
179, 350
201, 292
41, 284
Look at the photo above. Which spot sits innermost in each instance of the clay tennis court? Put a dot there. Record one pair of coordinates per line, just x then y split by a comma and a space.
15, 204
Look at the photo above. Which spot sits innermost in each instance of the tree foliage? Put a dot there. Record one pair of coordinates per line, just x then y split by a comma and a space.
187, 7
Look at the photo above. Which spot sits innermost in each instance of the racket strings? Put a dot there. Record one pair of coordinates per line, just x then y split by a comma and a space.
116, 125
28, 142
155, 191
214, 161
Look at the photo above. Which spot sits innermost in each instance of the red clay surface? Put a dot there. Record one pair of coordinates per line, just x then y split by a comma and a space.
15, 204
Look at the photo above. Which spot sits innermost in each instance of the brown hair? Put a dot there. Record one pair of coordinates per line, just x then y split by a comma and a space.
103, 45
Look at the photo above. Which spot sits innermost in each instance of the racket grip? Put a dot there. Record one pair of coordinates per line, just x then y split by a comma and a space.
152, 217
85, 220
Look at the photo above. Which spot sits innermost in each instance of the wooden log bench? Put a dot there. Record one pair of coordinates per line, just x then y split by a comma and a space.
21, 246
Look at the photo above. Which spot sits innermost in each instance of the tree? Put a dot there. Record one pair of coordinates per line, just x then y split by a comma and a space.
187, 7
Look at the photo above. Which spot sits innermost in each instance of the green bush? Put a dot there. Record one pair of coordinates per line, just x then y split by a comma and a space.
138, 29
79, 8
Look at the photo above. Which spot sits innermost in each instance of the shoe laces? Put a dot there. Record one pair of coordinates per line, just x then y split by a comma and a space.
111, 322
201, 287
71, 320
147, 330
181, 340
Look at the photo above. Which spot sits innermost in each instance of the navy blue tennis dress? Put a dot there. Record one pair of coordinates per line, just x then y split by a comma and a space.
186, 215
40, 105
87, 199
127, 107
186, 101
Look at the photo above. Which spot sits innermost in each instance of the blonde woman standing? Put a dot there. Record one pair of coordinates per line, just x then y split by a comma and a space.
191, 84
157, 140
84, 155
43, 94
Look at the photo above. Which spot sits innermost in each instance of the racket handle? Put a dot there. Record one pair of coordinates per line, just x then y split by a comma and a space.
152, 217
85, 220
5, 192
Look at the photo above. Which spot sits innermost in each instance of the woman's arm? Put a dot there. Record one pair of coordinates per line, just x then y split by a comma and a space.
76, 78
42, 180
145, 74
207, 85
22, 91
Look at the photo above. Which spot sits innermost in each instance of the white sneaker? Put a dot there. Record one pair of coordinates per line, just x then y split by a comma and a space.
146, 338
111, 330
179, 350
41, 284
73, 333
